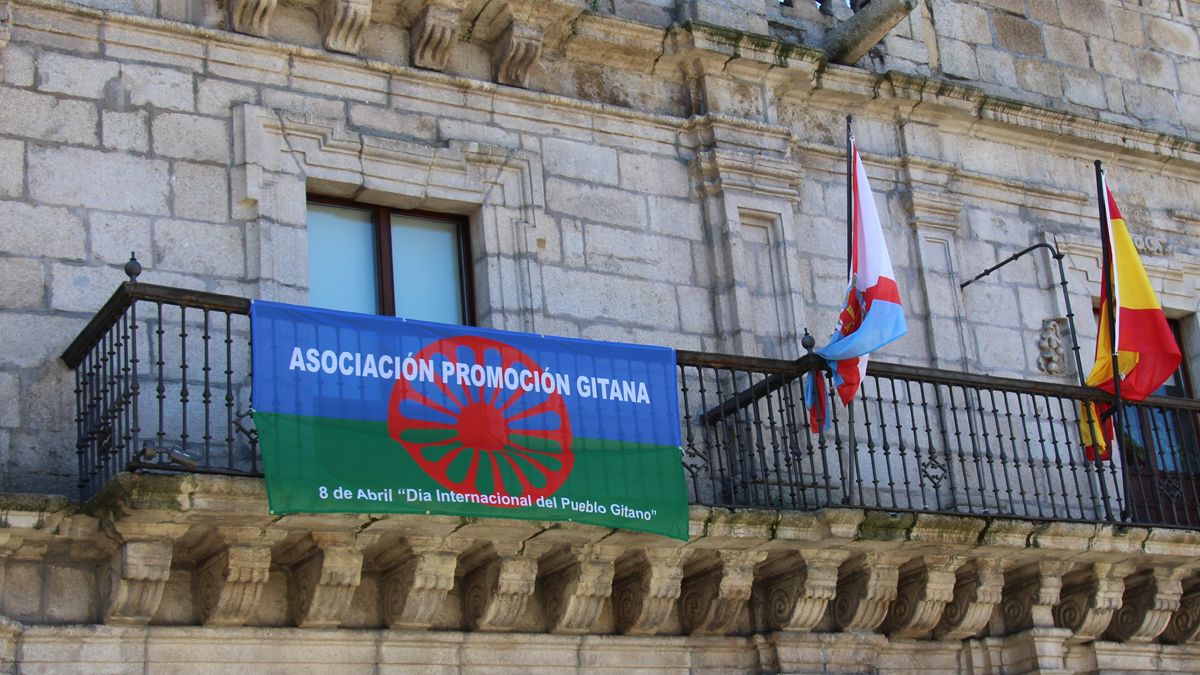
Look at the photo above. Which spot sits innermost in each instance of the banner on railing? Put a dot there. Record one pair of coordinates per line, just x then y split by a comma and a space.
370, 414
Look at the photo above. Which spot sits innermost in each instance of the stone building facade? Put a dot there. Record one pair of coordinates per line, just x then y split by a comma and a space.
653, 171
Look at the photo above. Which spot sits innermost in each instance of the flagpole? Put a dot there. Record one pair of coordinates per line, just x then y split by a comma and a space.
1107, 275
852, 451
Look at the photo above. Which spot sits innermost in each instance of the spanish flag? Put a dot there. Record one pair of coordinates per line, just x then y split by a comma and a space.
1146, 351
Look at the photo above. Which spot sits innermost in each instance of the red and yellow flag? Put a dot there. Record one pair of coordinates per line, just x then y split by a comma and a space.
1146, 351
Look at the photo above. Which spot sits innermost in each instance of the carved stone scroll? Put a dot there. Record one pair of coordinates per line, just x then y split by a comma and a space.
924, 588
712, 603
866, 586
323, 584
494, 596
1151, 597
574, 597
134, 580
415, 589
227, 586
643, 598
1184, 626
432, 36
798, 602
515, 53
345, 23
1088, 604
977, 590
1030, 594
252, 16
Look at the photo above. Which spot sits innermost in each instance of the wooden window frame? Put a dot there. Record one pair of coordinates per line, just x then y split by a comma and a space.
381, 217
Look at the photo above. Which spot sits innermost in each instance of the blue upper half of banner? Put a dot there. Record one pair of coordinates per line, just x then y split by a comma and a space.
327, 363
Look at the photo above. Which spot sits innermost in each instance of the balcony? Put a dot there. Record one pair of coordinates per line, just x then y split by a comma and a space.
163, 385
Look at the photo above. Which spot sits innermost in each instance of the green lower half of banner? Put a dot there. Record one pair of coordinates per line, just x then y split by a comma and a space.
322, 465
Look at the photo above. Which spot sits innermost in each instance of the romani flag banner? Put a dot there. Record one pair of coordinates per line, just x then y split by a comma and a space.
1146, 351
369, 414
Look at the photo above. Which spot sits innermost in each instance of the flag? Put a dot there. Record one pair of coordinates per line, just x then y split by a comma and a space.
1146, 351
871, 315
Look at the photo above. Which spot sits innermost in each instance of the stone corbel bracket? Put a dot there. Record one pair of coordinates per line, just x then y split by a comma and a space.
228, 583
977, 589
925, 586
645, 590
133, 582
867, 585
252, 17
495, 593
433, 35
1184, 625
1087, 604
325, 574
519, 30
573, 597
1151, 597
416, 587
345, 23
516, 52
798, 599
1030, 594
713, 600
6, 20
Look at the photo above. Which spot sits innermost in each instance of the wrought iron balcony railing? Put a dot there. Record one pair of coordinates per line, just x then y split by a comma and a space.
163, 384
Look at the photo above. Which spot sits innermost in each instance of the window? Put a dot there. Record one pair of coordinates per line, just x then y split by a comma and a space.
1171, 434
378, 260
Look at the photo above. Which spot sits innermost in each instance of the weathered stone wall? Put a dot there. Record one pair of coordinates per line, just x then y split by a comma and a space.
679, 186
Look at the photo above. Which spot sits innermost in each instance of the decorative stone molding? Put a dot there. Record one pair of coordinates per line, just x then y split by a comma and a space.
977, 589
572, 598
1087, 604
134, 579
713, 600
323, 582
1050, 347
1184, 626
252, 16
866, 586
417, 587
433, 35
644, 594
515, 53
925, 586
1151, 597
227, 586
345, 23
797, 601
1030, 594
495, 594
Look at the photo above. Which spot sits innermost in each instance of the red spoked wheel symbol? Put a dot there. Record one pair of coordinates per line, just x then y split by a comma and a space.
480, 439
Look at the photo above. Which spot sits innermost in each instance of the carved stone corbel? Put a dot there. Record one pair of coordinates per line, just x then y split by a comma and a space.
1184, 626
515, 53
1151, 597
416, 588
495, 595
977, 590
323, 583
1030, 594
644, 597
924, 588
252, 17
1088, 603
433, 35
712, 603
797, 602
345, 23
134, 580
573, 597
866, 586
228, 585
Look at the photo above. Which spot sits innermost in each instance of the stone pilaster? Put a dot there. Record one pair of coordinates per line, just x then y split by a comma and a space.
645, 594
1087, 604
866, 587
925, 586
252, 16
977, 589
1151, 597
713, 600
345, 24
323, 581
416, 587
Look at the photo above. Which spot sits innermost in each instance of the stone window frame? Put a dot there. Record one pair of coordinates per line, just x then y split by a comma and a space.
281, 156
